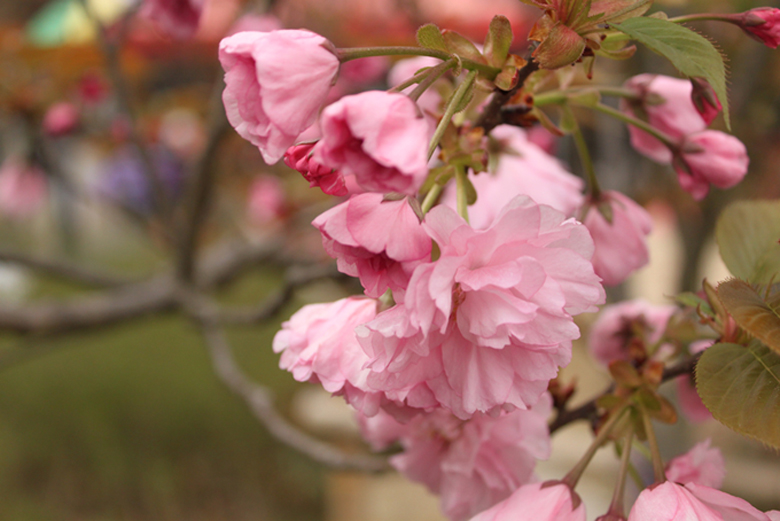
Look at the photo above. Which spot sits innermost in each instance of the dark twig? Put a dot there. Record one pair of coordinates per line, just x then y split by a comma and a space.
69, 272
589, 410
258, 399
492, 116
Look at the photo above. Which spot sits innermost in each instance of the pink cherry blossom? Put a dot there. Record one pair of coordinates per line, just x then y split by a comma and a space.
665, 103
266, 201
522, 169
489, 323
276, 83
773, 515
763, 24
179, 18
23, 188
471, 464
701, 465
302, 159
619, 323
711, 157
380, 138
380, 242
670, 501
549, 501
621, 246
60, 119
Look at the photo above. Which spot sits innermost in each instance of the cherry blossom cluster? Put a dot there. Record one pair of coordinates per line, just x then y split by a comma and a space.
476, 249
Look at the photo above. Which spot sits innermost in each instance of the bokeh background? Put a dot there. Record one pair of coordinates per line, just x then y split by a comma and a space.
129, 422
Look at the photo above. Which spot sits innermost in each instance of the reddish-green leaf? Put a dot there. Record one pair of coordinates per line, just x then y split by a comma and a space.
498, 41
561, 47
754, 313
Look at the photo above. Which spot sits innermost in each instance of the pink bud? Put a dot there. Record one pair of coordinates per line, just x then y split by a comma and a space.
705, 100
763, 24
710, 157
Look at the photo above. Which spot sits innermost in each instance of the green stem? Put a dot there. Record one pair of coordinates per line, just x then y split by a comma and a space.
558, 97
617, 507
433, 74
457, 97
353, 53
652, 441
704, 17
462, 196
431, 197
575, 473
587, 163
638, 123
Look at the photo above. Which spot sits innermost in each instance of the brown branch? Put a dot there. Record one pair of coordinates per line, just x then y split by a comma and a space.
589, 410
69, 272
492, 116
258, 399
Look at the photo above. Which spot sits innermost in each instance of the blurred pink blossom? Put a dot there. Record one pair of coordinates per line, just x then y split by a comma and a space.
687, 396
264, 72
403, 70
23, 188
266, 202
255, 22
471, 464
711, 157
701, 465
60, 119
621, 245
378, 137
179, 18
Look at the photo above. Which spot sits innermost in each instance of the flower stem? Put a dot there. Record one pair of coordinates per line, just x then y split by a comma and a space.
433, 74
617, 507
638, 123
703, 17
431, 196
353, 53
652, 441
557, 97
575, 473
456, 99
587, 163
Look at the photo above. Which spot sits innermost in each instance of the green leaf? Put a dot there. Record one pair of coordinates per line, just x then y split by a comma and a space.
753, 313
462, 46
429, 36
741, 388
619, 10
691, 53
748, 235
498, 41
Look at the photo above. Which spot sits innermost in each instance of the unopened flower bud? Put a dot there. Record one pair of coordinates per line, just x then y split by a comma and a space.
762, 24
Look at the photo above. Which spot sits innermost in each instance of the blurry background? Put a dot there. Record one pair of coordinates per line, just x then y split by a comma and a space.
128, 421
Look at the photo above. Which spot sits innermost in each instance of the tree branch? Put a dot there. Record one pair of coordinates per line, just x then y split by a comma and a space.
492, 116
69, 272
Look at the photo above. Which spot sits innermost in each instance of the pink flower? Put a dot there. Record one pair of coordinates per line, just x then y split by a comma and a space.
180, 18
318, 345
60, 119
621, 246
266, 200
619, 324
302, 159
773, 515
489, 323
701, 465
763, 24
687, 397
253, 22
670, 501
471, 464
276, 83
548, 501
23, 188
522, 169
665, 103
711, 157
380, 242
380, 138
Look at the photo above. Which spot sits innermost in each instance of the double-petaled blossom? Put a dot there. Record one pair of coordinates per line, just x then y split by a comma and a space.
763, 24
666, 104
710, 157
621, 324
179, 18
318, 345
275, 84
670, 501
380, 138
471, 464
550, 501
621, 246
301, 158
702, 465
380, 242
489, 323
522, 168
